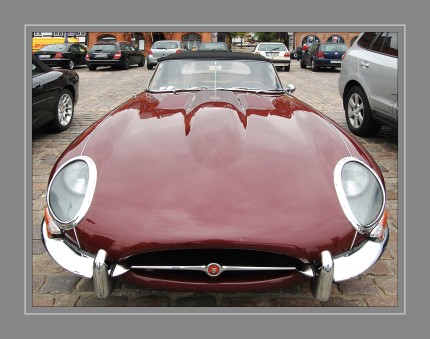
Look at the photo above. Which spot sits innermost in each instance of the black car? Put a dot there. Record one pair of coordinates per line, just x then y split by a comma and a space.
323, 55
55, 93
67, 55
114, 54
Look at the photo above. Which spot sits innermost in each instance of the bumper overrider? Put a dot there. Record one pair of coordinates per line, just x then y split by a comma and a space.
332, 269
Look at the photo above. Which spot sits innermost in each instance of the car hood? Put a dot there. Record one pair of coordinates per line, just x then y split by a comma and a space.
215, 168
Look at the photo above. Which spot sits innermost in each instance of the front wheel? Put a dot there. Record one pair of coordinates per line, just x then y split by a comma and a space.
357, 113
149, 66
302, 64
63, 112
92, 67
142, 62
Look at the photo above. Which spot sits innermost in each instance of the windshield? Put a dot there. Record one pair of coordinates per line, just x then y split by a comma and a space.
334, 48
272, 47
195, 74
104, 48
210, 46
165, 45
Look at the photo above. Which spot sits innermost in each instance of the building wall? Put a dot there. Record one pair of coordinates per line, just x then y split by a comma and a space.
323, 36
93, 37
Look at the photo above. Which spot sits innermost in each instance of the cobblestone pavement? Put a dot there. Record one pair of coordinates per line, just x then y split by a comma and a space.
103, 90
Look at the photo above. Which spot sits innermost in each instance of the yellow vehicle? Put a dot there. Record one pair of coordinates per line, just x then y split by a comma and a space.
39, 42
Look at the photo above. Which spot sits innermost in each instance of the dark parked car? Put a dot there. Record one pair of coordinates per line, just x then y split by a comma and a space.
323, 55
114, 54
55, 93
213, 46
215, 179
66, 55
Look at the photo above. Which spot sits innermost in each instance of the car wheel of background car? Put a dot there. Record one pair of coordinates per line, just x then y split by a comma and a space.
71, 64
357, 113
92, 67
302, 64
142, 62
126, 64
149, 66
63, 112
313, 66
287, 68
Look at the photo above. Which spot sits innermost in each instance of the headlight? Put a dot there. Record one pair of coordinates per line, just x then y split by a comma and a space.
71, 191
360, 192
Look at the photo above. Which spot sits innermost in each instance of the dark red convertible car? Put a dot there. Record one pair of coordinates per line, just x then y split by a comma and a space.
215, 179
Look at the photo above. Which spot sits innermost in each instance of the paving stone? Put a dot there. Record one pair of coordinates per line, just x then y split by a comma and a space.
245, 302
362, 286
387, 285
150, 301
60, 284
112, 301
68, 300
42, 301
196, 301
382, 301
294, 302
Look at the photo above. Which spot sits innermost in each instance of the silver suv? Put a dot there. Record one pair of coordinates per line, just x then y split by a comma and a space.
162, 48
368, 83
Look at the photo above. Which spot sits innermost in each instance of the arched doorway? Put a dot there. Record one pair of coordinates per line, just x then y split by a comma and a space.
192, 40
106, 38
310, 40
336, 39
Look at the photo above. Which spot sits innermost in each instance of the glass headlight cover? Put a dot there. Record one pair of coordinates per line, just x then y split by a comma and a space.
71, 190
360, 192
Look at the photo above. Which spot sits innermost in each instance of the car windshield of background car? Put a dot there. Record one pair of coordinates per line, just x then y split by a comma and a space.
272, 47
334, 48
165, 45
194, 74
104, 48
56, 47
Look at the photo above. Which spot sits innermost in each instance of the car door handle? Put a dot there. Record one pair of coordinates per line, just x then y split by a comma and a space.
365, 64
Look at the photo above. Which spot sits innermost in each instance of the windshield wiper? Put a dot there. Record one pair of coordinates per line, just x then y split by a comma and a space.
176, 90
274, 49
248, 89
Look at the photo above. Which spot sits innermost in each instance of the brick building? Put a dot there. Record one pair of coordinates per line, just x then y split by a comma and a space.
301, 38
144, 40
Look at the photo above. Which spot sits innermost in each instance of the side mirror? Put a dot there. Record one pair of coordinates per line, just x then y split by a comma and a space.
290, 89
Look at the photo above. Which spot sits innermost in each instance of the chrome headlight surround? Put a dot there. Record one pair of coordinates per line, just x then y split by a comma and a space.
369, 176
84, 197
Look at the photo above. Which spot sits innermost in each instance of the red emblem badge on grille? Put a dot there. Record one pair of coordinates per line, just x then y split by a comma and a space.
213, 270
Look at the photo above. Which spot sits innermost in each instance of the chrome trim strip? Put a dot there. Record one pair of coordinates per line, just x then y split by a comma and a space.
92, 179
354, 264
344, 201
204, 268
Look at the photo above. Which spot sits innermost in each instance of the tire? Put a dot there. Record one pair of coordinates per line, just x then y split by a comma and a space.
142, 62
357, 113
92, 67
126, 64
63, 112
71, 64
302, 64
314, 67
149, 66
287, 68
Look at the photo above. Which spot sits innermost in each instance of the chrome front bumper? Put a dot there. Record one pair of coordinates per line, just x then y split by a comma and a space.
332, 269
